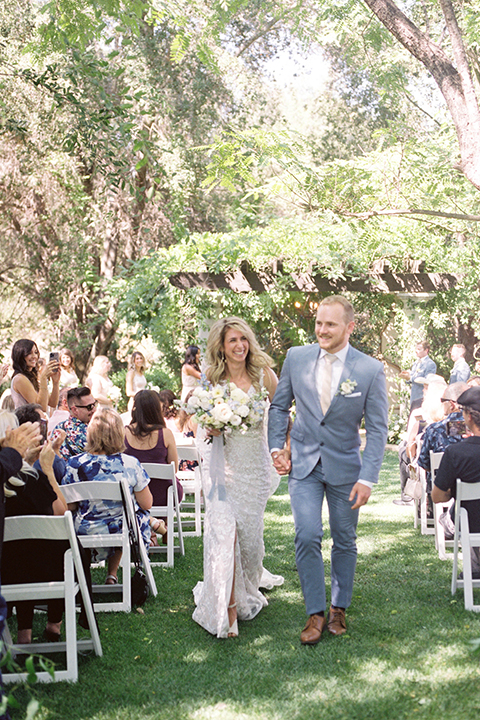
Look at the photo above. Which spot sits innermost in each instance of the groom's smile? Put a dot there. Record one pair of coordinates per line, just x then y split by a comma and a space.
331, 328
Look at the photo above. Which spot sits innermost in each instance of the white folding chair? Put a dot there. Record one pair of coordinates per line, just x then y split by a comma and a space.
441, 543
159, 471
191, 481
48, 527
465, 491
110, 490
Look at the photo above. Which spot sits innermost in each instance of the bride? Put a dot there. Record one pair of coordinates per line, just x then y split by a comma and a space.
233, 539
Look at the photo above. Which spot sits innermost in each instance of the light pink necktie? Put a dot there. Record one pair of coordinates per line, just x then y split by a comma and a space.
326, 389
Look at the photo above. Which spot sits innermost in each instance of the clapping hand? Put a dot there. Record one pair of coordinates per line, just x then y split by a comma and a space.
47, 456
56, 439
3, 371
23, 438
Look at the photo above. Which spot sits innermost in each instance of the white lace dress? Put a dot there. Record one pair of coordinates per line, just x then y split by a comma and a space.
234, 525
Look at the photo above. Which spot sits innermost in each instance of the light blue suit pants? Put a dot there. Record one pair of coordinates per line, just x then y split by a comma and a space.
306, 497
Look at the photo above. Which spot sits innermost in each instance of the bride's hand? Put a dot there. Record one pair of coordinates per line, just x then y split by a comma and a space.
281, 461
213, 432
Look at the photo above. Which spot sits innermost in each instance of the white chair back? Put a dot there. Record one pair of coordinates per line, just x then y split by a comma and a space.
469, 540
110, 490
48, 527
160, 471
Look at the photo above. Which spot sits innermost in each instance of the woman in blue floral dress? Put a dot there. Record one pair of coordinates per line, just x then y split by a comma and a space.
105, 460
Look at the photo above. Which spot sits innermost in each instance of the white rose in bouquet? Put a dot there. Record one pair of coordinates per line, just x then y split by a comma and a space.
239, 396
193, 404
235, 420
242, 411
222, 413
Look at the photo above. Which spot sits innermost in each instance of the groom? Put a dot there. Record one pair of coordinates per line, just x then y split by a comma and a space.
334, 386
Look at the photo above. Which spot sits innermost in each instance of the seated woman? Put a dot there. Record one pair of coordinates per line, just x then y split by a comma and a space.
29, 384
169, 409
150, 441
33, 492
105, 460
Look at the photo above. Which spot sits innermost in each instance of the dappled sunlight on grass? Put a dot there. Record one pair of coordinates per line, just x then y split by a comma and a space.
406, 653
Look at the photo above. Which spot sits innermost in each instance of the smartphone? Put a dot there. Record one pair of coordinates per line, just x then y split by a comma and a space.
43, 430
54, 356
456, 428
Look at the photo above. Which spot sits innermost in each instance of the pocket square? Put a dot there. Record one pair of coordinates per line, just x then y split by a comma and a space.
357, 394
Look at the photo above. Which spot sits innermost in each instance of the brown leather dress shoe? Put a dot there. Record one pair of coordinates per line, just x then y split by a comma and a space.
312, 632
336, 621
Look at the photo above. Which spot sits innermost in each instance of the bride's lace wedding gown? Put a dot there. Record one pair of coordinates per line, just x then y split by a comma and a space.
234, 528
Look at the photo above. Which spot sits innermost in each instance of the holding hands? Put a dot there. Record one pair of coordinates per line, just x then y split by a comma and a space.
281, 461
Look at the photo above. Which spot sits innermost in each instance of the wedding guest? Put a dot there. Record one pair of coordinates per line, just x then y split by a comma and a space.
460, 371
29, 385
81, 406
68, 376
473, 380
61, 413
150, 441
33, 413
33, 492
169, 409
13, 446
105, 459
7, 404
190, 370
4, 368
423, 366
99, 382
135, 379
462, 461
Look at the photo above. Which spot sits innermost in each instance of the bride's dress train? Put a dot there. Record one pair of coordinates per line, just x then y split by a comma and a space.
234, 529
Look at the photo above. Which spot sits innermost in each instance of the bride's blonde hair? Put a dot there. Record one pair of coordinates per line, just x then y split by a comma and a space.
256, 360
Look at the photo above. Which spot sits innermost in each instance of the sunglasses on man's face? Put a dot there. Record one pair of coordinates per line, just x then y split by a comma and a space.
88, 407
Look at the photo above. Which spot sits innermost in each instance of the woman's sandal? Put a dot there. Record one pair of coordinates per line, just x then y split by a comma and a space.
158, 526
233, 629
111, 580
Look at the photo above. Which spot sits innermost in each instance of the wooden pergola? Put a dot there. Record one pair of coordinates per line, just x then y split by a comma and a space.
380, 278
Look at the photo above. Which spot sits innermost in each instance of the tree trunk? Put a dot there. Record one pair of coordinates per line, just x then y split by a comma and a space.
455, 83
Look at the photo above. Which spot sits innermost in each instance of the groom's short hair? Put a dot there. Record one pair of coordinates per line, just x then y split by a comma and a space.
348, 311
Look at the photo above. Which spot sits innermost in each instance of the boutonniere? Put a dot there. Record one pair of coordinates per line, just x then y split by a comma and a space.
347, 387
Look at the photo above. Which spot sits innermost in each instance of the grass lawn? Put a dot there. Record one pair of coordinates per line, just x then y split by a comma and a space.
407, 652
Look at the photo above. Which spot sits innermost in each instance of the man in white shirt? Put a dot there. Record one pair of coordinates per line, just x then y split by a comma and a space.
334, 387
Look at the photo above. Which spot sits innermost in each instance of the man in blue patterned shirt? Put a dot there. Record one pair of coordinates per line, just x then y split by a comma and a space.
81, 405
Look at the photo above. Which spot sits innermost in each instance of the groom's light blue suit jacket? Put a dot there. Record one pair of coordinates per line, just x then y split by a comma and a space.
333, 438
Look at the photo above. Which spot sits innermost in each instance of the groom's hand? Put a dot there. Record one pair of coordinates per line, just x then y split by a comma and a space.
281, 461
362, 493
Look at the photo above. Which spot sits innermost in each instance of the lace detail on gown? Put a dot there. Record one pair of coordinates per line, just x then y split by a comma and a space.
234, 525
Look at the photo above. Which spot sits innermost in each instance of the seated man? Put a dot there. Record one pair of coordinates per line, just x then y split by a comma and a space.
61, 413
33, 413
462, 460
81, 405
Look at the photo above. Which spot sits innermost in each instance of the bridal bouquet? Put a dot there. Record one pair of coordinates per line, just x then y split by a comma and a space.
114, 394
226, 407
